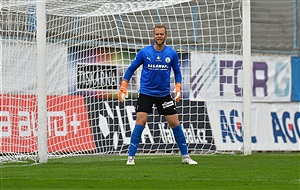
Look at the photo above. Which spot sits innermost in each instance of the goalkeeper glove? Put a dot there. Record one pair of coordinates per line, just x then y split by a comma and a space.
177, 91
123, 92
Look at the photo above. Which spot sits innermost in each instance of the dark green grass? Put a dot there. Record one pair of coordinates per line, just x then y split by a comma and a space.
256, 171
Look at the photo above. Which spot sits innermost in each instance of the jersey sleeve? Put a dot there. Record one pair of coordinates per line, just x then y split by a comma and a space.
176, 68
138, 60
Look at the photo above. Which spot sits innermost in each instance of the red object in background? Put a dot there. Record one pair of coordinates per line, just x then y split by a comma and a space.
68, 127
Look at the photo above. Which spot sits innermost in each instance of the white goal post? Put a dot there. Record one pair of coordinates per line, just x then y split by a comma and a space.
62, 63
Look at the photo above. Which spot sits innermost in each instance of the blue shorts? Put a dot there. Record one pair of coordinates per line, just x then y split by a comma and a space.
165, 105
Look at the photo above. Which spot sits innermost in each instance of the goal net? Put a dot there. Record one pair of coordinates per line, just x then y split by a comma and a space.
89, 46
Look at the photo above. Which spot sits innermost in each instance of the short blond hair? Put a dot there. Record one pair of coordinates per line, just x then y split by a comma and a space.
160, 26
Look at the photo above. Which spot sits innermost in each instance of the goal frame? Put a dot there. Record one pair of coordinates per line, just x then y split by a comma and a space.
42, 81
246, 75
41, 63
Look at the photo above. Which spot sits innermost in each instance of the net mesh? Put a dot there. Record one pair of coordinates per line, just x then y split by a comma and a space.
90, 44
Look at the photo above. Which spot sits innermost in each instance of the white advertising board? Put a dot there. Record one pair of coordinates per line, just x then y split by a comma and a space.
220, 77
275, 126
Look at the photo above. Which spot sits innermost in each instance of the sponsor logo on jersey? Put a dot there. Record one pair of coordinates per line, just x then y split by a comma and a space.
168, 60
157, 67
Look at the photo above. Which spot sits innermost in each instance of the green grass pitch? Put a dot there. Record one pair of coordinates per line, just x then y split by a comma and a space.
256, 171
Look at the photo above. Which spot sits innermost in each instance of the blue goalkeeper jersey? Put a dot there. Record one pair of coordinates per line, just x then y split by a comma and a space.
156, 72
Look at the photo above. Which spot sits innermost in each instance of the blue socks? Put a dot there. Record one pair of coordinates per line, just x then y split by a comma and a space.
137, 133
135, 139
180, 139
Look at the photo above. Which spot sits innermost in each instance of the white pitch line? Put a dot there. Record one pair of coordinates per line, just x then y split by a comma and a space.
164, 179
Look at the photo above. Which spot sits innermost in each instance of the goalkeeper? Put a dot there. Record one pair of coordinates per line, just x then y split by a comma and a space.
157, 61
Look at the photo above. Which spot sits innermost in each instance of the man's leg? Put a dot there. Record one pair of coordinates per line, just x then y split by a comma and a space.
180, 139
181, 143
135, 139
134, 143
166, 106
178, 133
144, 106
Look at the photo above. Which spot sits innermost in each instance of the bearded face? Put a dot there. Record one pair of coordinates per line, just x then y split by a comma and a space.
159, 36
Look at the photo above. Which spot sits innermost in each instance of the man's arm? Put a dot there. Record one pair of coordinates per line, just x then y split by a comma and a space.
178, 78
138, 60
176, 69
